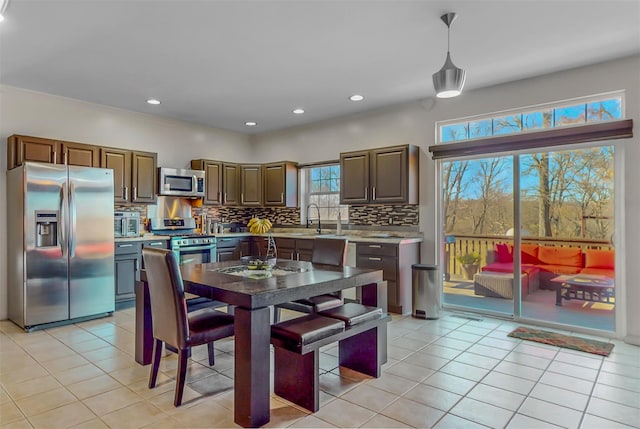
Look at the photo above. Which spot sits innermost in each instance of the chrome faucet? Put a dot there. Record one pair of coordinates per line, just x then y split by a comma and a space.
319, 229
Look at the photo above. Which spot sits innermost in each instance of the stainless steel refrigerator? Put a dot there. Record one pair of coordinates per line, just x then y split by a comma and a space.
60, 243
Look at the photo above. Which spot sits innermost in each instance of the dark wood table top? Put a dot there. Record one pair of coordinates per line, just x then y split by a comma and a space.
309, 280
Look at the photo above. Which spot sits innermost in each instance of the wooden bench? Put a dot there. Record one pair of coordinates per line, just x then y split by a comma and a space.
361, 332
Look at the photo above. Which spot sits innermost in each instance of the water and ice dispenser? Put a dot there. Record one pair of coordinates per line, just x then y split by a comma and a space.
46, 228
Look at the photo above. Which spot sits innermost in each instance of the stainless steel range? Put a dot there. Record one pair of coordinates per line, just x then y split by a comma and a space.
172, 216
185, 243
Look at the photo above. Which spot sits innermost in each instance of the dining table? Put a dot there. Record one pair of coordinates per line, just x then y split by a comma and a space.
251, 294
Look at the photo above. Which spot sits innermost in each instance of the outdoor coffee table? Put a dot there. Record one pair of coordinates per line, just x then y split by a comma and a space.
585, 287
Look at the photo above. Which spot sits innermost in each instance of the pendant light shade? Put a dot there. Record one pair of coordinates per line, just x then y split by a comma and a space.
449, 80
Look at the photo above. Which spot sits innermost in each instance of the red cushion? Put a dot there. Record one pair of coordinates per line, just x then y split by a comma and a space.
569, 256
529, 254
559, 269
507, 267
599, 259
503, 253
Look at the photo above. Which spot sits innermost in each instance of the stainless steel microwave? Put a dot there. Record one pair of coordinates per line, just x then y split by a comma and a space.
126, 224
179, 182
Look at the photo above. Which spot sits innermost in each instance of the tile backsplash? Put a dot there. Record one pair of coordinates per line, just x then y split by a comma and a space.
384, 215
362, 215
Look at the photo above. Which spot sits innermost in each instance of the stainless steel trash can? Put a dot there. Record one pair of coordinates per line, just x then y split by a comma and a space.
427, 299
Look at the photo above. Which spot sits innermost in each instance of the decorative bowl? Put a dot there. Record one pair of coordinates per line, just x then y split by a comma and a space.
258, 263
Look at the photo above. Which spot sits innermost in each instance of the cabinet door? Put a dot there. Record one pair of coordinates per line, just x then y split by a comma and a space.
389, 175
251, 179
79, 154
143, 177
244, 247
226, 255
354, 177
230, 184
126, 274
24, 148
286, 248
280, 181
119, 160
213, 177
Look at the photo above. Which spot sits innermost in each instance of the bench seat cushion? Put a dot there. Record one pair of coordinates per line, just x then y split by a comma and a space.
296, 333
353, 313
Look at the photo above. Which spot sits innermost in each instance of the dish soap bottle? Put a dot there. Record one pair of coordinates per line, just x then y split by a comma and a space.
339, 224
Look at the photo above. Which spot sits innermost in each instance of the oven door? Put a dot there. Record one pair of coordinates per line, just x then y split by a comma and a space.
196, 254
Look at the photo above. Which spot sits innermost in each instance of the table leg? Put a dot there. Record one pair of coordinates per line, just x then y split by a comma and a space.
559, 294
252, 367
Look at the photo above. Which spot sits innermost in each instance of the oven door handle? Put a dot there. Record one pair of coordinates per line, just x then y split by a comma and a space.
191, 248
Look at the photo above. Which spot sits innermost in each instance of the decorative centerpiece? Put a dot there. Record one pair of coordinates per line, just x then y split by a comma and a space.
262, 226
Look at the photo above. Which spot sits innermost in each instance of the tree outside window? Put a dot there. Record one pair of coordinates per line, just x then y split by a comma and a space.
322, 187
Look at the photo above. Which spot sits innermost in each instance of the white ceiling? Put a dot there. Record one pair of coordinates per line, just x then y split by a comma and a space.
221, 63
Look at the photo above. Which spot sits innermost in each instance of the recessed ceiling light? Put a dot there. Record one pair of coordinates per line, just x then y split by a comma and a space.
298, 111
251, 123
153, 101
356, 97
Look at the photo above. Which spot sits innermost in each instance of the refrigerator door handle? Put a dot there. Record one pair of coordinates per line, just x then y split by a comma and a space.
63, 216
72, 220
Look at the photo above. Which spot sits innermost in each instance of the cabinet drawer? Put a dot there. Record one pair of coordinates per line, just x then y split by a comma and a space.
123, 248
289, 243
156, 244
226, 242
377, 249
388, 265
304, 244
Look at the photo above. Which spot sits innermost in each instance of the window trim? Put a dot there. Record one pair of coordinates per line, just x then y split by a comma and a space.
621, 129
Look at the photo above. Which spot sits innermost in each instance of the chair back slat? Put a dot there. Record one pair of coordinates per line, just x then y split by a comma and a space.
166, 293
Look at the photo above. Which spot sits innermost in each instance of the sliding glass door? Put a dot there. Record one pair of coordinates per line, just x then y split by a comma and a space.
547, 216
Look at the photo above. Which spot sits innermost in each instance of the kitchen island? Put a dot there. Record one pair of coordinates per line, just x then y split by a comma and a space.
252, 299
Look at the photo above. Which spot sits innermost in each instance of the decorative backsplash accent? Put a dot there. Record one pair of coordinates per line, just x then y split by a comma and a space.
277, 215
384, 215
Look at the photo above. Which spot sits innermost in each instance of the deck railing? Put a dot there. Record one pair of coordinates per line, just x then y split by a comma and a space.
461, 244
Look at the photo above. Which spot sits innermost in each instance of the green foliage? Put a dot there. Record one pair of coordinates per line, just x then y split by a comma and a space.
469, 258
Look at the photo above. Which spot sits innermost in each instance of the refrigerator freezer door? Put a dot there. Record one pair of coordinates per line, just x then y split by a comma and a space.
46, 295
91, 241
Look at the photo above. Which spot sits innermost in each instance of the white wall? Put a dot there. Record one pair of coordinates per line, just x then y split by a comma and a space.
42, 115
414, 124
30, 113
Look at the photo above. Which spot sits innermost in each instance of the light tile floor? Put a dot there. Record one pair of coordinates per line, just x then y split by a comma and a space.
451, 373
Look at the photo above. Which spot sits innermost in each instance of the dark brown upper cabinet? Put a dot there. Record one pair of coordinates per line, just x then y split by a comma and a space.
230, 184
380, 176
213, 179
79, 154
280, 184
134, 174
251, 182
25, 148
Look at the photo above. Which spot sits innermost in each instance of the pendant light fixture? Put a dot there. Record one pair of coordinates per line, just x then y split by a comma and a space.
3, 7
449, 80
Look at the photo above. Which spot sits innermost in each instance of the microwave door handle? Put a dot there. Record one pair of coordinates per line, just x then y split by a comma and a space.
194, 183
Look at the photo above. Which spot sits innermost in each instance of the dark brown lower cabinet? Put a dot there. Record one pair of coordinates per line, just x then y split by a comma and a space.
395, 260
128, 262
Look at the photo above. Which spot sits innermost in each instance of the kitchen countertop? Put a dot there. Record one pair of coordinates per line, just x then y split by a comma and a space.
352, 236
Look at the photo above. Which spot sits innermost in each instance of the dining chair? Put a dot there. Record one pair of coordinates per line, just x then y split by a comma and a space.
327, 251
172, 324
